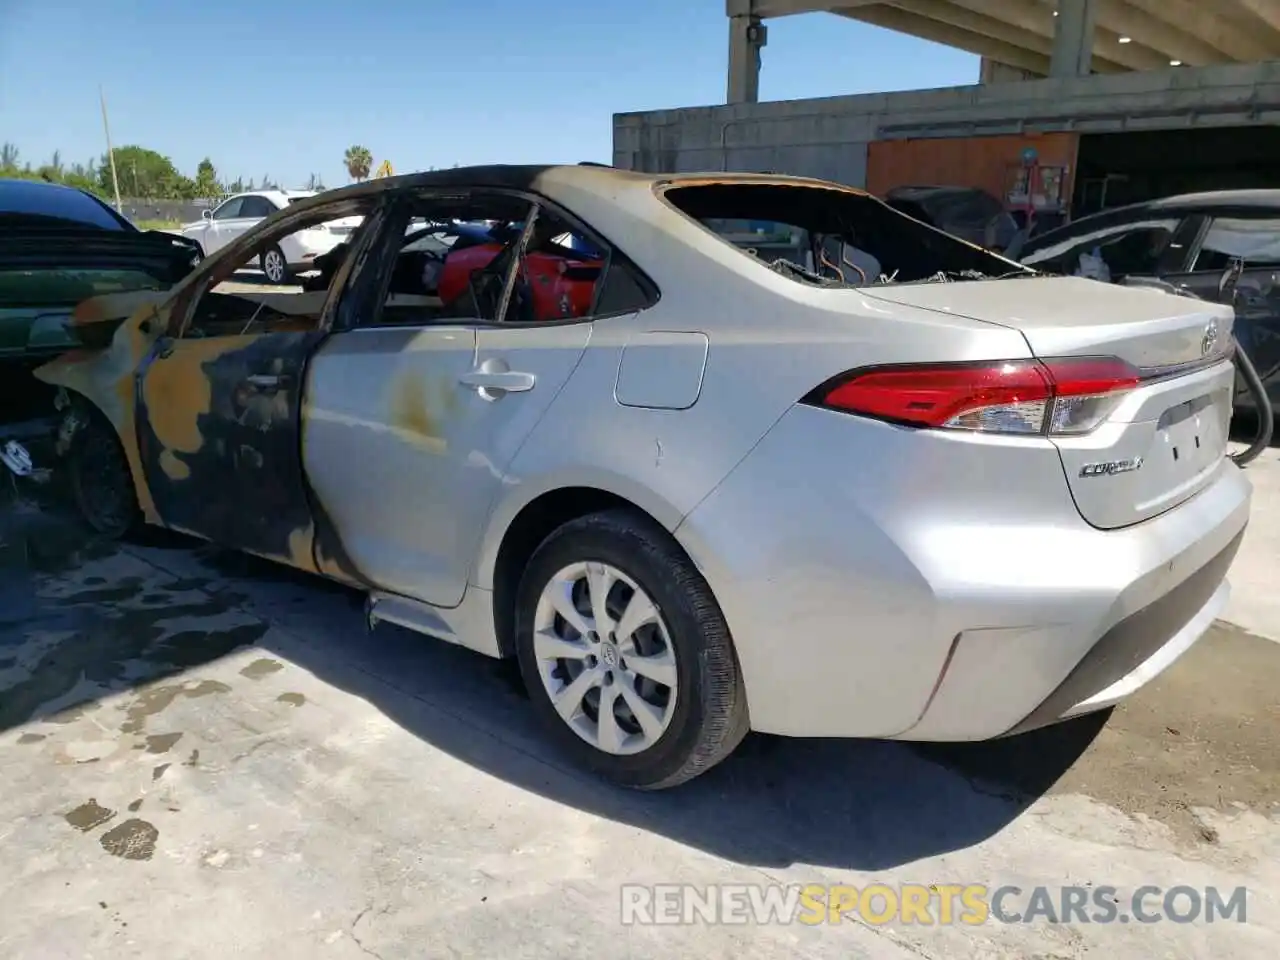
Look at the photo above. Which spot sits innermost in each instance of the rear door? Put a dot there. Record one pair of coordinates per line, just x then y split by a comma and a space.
417, 410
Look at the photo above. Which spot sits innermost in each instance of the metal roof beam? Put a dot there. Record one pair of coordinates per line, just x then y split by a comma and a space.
1038, 20
1011, 53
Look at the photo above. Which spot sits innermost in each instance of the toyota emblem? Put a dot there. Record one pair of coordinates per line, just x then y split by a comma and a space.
1210, 339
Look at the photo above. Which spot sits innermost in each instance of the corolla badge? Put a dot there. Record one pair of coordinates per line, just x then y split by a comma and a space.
1110, 468
1210, 339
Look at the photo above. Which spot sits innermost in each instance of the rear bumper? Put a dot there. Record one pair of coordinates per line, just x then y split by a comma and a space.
947, 592
1140, 647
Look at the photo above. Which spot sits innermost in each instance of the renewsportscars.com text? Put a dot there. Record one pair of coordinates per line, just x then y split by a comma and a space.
928, 904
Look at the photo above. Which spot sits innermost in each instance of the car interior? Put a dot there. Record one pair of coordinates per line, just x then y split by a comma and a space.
847, 238
455, 262
457, 265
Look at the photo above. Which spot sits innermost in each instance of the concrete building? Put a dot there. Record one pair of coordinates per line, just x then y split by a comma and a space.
1079, 103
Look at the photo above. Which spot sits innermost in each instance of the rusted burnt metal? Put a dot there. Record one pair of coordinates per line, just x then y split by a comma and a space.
105, 379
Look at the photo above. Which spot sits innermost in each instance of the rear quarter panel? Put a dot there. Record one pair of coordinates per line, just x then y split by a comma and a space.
771, 341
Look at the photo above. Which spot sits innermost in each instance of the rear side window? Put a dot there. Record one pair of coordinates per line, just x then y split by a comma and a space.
1256, 242
256, 207
40, 201
55, 288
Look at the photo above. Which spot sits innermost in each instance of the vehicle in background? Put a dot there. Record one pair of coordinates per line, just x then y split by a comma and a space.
966, 212
239, 214
59, 246
936, 497
1188, 241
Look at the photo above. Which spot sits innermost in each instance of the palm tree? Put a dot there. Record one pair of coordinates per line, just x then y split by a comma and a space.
358, 161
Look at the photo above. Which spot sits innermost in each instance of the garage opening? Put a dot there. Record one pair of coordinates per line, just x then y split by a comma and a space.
1114, 169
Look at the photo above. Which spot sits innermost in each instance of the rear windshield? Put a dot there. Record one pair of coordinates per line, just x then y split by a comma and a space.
833, 237
33, 204
59, 288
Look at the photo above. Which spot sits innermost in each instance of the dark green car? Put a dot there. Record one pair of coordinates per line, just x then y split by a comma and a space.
59, 246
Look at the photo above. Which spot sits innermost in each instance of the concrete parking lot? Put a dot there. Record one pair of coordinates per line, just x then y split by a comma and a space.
205, 755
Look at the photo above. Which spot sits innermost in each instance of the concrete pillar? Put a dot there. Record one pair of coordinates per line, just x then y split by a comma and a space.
1073, 38
746, 36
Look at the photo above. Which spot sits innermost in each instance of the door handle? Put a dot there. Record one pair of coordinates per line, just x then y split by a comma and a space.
499, 381
265, 381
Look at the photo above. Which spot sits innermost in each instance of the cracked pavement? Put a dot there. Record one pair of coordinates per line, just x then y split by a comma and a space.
206, 755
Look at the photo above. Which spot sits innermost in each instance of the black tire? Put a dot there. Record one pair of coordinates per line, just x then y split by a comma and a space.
285, 275
101, 481
710, 717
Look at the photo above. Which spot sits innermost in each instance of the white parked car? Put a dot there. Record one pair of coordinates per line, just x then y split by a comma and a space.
236, 215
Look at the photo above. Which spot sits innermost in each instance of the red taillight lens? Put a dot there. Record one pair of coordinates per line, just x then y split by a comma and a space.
1067, 396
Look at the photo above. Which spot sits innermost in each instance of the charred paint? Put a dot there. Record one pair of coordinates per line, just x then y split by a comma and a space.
409, 408
175, 394
106, 379
220, 442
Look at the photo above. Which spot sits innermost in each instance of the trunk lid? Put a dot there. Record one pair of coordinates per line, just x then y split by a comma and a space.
1167, 439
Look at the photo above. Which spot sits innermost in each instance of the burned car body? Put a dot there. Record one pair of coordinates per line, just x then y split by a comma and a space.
640, 494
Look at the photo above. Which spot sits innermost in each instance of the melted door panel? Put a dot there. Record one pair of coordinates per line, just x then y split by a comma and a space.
219, 439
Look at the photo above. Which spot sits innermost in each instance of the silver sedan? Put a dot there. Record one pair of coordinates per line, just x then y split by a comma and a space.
705, 453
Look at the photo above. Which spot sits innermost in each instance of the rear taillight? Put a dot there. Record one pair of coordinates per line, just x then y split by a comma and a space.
1057, 397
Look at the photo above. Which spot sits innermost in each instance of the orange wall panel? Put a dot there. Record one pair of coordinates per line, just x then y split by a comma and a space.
982, 162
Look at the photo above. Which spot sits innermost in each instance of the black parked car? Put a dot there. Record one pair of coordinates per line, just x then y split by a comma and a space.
965, 212
58, 246
1189, 241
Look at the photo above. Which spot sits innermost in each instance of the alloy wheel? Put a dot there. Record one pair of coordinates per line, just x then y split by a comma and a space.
273, 265
605, 657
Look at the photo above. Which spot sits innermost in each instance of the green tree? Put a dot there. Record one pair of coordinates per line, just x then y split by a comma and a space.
206, 182
9, 157
144, 173
358, 161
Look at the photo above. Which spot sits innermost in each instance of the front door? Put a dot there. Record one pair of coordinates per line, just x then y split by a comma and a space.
219, 437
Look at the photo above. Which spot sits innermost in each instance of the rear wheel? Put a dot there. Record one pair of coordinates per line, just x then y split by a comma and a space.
274, 265
101, 482
626, 654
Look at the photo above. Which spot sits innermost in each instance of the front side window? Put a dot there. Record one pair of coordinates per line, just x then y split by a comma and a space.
828, 236
229, 210
1255, 241
247, 294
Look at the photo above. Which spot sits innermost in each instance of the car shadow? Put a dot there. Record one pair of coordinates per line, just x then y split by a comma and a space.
856, 805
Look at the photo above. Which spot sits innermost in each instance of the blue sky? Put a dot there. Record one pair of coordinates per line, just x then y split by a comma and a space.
282, 88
